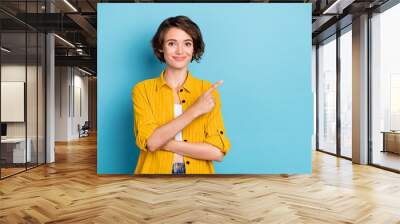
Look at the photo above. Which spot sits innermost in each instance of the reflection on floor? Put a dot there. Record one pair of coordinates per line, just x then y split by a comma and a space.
10, 169
386, 159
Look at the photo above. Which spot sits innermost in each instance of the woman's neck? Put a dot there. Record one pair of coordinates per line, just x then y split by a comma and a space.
175, 77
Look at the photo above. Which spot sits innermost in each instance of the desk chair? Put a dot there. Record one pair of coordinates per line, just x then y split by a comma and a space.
84, 130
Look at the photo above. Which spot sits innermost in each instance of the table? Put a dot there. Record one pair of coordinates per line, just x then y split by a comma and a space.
16, 147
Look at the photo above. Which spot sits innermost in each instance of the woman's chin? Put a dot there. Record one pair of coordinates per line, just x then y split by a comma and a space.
178, 65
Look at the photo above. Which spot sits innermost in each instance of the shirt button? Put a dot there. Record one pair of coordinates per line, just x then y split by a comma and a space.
221, 132
183, 101
181, 90
185, 140
187, 162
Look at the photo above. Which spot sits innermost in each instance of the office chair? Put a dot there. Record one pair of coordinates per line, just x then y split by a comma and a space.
84, 130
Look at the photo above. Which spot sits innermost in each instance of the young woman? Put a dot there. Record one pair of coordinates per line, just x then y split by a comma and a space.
178, 123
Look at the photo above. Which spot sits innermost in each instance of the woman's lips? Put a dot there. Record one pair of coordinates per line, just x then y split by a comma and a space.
179, 58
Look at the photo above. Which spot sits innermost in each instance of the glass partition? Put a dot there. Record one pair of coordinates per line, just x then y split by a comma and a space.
13, 108
22, 77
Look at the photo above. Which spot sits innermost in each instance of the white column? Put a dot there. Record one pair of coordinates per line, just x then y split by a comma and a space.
50, 92
50, 110
360, 90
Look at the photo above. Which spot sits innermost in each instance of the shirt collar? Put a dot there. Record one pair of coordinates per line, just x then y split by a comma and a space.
188, 85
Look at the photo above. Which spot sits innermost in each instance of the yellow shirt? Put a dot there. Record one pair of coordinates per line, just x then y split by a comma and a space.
153, 105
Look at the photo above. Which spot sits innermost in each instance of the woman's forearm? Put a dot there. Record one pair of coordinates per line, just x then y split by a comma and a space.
166, 132
202, 151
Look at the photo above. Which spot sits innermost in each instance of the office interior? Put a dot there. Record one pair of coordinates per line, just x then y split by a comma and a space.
48, 81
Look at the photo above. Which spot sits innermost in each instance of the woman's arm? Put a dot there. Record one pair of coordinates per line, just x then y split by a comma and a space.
202, 151
168, 131
163, 134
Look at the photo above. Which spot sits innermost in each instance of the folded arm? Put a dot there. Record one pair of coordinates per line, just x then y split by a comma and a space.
166, 132
150, 136
194, 150
163, 134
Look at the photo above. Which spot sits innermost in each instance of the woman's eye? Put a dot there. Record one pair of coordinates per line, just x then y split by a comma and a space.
188, 44
171, 44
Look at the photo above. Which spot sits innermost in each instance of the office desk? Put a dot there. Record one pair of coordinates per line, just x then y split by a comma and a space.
13, 150
391, 141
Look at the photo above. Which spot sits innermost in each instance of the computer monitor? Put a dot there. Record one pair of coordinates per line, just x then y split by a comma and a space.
3, 129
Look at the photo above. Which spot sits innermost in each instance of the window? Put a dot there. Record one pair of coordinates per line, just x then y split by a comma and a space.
385, 88
327, 95
346, 92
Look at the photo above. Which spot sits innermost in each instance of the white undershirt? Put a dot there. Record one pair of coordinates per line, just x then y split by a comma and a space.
178, 137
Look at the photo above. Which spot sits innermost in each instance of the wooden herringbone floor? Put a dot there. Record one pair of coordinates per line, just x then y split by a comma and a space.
69, 191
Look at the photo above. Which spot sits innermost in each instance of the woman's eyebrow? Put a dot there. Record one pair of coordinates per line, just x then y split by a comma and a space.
176, 40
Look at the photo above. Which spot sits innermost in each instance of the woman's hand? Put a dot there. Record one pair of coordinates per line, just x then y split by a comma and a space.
205, 103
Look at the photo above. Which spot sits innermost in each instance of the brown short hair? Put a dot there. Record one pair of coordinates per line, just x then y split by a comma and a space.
185, 24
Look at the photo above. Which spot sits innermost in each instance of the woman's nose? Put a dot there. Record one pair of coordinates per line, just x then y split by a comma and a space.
179, 49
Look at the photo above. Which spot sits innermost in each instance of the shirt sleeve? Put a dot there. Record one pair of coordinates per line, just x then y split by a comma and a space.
215, 133
144, 120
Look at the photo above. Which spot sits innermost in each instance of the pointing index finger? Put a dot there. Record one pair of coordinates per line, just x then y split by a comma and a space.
214, 86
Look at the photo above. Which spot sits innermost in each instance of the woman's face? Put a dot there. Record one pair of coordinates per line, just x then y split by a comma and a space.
177, 48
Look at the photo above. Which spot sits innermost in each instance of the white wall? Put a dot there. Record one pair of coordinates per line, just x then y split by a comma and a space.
62, 81
81, 85
71, 93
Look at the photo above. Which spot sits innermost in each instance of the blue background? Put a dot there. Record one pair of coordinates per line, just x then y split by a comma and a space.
261, 51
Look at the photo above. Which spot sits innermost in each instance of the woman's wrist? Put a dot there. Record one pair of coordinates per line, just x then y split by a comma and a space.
169, 145
166, 145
